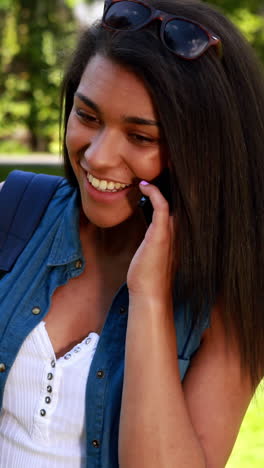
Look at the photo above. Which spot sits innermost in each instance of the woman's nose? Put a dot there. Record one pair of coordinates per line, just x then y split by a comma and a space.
104, 149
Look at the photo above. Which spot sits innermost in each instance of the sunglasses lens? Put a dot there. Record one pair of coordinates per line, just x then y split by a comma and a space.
126, 15
186, 39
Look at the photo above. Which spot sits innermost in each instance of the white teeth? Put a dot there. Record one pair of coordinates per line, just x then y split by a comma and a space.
104, 186
111, 185
95, 183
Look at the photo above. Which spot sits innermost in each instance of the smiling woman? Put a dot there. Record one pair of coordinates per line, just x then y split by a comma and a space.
122, 328
113, 141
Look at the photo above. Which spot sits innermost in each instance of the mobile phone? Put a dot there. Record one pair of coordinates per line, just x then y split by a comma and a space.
164, 185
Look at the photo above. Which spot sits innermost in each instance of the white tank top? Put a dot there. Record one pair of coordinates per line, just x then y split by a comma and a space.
42, 422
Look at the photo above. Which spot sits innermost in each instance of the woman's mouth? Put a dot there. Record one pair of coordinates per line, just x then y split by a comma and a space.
104, 191
105, 185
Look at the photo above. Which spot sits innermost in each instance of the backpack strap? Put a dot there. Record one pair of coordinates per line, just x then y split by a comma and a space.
23, 200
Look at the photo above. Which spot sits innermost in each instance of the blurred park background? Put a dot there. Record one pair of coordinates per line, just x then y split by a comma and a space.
36, 38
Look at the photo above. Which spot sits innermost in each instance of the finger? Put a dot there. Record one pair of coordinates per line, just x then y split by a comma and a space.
157, 199
159, 203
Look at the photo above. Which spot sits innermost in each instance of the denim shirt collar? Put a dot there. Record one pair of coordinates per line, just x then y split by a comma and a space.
66, 247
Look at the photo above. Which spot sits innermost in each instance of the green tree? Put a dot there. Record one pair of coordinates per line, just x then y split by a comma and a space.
248, 15
34, 40
36, 37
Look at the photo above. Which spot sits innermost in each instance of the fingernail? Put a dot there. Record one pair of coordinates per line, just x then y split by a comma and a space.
144, 183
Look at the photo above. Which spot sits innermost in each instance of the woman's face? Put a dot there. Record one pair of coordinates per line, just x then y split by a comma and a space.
113, 140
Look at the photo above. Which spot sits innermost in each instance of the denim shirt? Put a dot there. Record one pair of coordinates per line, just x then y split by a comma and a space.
50, 259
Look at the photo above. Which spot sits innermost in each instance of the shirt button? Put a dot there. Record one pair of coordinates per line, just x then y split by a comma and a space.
2, 367
50, 376
100, 374
53, 363
36, 310
49, 388
122, 310
78, 264
96, 443
47, 399
42, 412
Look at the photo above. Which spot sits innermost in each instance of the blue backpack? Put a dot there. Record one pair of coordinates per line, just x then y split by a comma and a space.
23, 201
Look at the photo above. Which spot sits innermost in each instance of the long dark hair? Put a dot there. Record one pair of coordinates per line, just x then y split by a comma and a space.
212, 116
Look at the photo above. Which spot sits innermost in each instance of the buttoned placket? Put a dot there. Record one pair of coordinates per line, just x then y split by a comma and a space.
109, 353
48, 387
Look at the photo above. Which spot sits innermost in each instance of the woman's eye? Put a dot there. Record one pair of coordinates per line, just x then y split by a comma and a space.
86, 117
141, 138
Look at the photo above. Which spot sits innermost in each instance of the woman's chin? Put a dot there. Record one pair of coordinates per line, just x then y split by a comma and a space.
107, 220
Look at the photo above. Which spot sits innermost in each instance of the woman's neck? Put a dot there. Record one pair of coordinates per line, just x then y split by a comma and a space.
119, 241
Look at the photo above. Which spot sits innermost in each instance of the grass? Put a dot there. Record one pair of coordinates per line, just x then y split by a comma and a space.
248, 451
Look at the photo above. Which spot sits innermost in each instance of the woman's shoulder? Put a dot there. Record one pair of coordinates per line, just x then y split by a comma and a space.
63, 186
36, 196
63, 193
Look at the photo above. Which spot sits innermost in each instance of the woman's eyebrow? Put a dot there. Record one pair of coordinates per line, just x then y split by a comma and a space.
87, 102
127, 119
141, 121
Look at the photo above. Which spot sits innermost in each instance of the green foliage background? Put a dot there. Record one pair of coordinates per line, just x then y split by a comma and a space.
248, 451
35, 38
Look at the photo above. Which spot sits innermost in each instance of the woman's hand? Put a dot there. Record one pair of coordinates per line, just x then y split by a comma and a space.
150, 271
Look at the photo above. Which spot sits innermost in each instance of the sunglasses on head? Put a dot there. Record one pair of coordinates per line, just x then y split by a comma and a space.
183, 37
